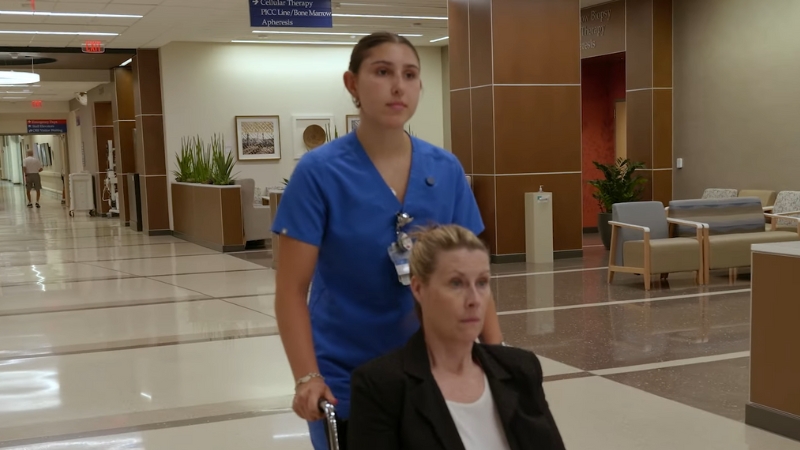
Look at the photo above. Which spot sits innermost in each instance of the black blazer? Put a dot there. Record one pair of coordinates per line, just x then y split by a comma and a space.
396, 403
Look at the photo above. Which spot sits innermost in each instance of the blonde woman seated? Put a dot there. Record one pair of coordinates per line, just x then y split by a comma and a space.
443, 390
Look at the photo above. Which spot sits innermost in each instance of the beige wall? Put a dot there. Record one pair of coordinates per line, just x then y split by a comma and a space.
205, 86
88, 143
736, 91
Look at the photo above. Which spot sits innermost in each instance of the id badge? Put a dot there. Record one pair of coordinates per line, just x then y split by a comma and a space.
400, 257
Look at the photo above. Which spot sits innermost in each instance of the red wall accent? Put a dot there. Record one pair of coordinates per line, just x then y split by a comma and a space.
602, 84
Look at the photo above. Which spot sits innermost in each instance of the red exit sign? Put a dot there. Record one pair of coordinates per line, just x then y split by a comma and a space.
93, 47
36, 103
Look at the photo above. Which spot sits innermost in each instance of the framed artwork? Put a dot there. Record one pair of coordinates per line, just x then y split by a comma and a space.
258, 137
311, 131
353, 121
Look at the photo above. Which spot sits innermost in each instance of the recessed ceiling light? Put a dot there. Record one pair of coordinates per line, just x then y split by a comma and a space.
441, 39
59, 33
126, 62
326, 33
13, 98
67, 14
293, 42
375, 16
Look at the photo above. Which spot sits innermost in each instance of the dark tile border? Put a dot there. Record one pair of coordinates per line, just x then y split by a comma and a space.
568, 376
201, 419
772, 420
135, 344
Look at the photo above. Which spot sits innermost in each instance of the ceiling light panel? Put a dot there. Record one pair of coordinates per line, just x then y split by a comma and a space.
56, 33
293, 42
69, 14
380, 16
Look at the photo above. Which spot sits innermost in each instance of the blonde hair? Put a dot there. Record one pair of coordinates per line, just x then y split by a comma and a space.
429, 242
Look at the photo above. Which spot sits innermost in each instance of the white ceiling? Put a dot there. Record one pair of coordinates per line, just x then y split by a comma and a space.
166, 21
46, 91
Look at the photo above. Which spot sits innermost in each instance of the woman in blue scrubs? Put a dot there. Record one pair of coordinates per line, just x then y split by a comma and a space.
347, 204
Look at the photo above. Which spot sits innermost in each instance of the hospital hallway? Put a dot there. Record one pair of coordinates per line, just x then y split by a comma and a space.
110, 339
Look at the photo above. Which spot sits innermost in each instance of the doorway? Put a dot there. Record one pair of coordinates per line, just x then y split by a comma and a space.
621, 128
604, 125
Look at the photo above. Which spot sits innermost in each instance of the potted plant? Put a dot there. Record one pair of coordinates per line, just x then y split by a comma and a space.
221, 162
619, 186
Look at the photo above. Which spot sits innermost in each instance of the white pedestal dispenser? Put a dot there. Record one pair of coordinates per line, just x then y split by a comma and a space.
539, 226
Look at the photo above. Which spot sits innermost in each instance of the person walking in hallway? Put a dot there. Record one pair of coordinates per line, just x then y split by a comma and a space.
343, 226
31, 168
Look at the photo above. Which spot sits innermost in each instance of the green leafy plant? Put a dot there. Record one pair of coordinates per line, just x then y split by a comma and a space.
620, 185
328, 133
285, 181
221, 162
203, 170
185, 161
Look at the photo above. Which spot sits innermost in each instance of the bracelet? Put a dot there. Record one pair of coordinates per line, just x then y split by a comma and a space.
308, 378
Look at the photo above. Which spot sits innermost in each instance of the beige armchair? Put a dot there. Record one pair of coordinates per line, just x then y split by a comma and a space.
641, 243
256, 218
785, 212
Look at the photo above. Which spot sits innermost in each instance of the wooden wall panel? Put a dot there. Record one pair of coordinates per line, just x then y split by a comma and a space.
538, 129
567, 210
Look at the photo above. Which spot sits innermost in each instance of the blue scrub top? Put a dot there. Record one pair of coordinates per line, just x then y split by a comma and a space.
337, 201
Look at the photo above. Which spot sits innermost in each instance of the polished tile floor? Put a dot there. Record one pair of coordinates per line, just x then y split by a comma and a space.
114, 340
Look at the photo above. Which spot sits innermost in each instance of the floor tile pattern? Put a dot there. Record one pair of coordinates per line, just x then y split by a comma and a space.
110, 339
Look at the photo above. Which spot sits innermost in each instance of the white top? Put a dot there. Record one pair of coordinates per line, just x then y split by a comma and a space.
32, 165
479, 423
779, 248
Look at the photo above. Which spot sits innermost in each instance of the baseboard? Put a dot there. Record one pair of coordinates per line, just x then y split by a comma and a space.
568, 254
164, 233
772, 420
521, 257
590, 230
215, 247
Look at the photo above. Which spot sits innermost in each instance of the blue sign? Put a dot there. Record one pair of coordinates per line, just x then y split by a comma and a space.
291, 13
47, 126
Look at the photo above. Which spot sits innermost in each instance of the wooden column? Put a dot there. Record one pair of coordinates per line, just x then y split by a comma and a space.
774, 365
124, 125
103, 132
516, 114
649, 92
150, 150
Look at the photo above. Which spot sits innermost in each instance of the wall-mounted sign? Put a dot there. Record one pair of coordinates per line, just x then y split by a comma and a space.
36, 103
291, 13
47, 126
93, 47
603, 29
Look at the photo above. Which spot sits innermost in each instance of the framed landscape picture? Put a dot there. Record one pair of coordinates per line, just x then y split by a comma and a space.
352, 122
258, 137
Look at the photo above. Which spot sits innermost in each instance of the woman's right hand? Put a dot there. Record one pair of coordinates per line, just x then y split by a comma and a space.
307, 398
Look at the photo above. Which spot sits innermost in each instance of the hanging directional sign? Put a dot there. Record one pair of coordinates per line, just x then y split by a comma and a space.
291, 13
47, 126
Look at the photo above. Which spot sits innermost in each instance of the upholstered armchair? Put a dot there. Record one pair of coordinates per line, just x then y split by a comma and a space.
720, 193
256, 218
786, 211
767, 197
641, 243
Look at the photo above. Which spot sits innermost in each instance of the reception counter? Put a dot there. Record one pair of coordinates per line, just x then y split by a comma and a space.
775, 342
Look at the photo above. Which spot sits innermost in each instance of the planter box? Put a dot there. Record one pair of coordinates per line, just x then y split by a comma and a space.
208, 215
